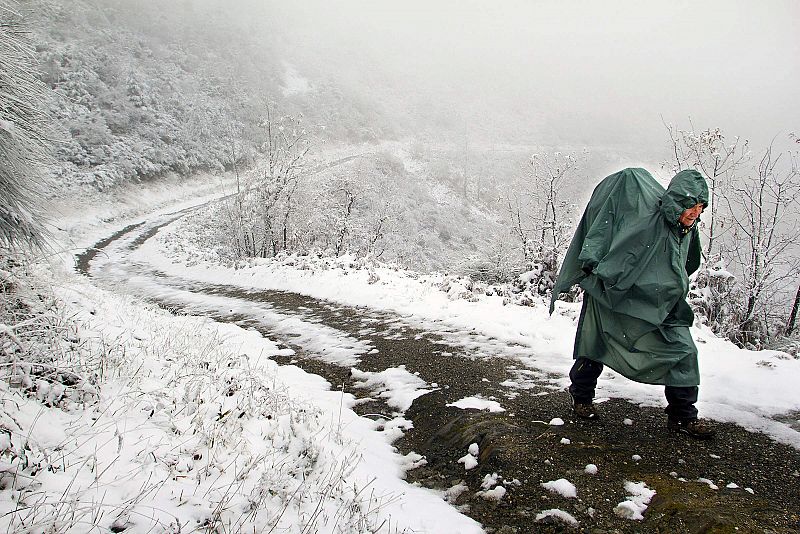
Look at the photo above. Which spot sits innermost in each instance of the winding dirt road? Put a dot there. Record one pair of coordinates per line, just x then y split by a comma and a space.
517, 444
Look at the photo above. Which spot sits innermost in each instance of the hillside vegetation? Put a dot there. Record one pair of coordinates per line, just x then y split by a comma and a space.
147, 88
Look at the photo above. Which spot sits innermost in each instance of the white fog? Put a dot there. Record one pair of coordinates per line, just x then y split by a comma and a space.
577, 73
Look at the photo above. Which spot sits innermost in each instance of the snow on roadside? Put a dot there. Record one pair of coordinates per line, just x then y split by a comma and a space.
560, 515
491, 490
562, 486
191, 426
470, 460
735, 387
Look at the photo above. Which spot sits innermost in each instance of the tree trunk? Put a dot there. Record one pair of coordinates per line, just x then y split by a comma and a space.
793, 316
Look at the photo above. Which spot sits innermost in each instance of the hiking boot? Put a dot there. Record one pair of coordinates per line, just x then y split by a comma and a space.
696, 428
584, 411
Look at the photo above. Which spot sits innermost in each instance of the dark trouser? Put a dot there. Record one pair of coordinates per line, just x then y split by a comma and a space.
584, 375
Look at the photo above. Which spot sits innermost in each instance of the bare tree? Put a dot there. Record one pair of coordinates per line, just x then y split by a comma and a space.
763, 238
382, 211
719, 160
465, 163
341, 201
260, 213
716, 293
345, 215
286, 147
791, 323
235, 210
548, 175
517, 205
539, 214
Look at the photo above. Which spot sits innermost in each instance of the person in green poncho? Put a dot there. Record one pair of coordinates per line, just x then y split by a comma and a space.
632, 254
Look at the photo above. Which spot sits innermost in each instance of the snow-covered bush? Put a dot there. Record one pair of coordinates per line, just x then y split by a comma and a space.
499, 264
540, 273
789, 345
41, 353
713, 296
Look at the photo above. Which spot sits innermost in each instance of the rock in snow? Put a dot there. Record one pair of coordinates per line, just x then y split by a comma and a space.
709, 482
493, 494
469, 461
489, 481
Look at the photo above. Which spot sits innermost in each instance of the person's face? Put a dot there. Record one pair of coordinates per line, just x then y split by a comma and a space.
690, 215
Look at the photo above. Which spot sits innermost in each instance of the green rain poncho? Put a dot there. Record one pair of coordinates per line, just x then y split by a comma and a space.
633, 259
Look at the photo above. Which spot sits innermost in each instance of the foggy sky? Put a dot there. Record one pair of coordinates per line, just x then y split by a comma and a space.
578, 72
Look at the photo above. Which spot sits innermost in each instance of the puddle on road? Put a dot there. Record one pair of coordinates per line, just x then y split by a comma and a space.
792, 419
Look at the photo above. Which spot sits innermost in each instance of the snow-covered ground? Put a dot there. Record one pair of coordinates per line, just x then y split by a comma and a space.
183, 424
193, 428
192, 424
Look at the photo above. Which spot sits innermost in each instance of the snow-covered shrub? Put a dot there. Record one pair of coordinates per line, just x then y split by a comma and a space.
499, 263
720, 302
789, 345
715, 297
460, 287
41, 351
540, 273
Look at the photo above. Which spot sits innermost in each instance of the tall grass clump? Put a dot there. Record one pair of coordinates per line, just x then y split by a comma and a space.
25, 135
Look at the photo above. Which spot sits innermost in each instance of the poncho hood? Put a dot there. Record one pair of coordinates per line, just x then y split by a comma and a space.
687, 189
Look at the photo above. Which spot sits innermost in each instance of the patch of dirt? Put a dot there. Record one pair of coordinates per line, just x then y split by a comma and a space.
521, 448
